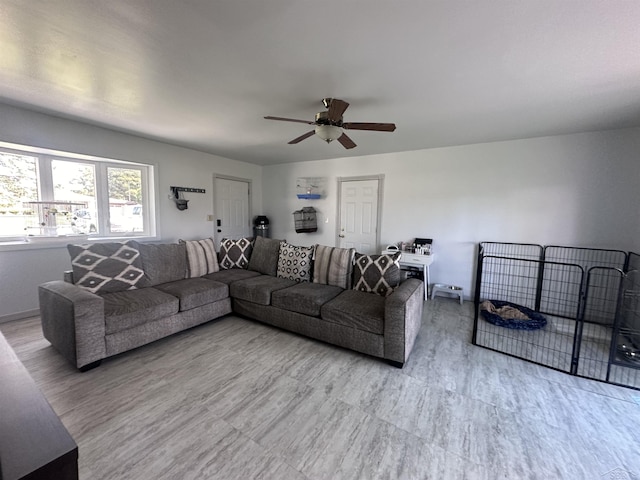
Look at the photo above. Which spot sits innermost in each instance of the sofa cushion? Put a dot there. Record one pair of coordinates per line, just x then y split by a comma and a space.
162, 263
295, 262
230, 276
195, 292
333, 266
264, 257
202, 258
359, 310
258, 289
235, 253
123, 310
106, 267
305, 298
376, 273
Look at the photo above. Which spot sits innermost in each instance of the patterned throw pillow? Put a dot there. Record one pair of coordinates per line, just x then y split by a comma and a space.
106, 267
333, 266
235, 253
201, 257
376, 273
294, 262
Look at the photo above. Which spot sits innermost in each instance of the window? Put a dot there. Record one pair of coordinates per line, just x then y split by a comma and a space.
18, 184
125, 199
46, 193
75, 182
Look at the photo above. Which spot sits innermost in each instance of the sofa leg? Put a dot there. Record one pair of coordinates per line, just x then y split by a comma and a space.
393, 363
90, 366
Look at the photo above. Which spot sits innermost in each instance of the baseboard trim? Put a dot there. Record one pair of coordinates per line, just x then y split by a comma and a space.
19, 316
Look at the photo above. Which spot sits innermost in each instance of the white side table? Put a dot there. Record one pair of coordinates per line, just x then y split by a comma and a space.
414, 260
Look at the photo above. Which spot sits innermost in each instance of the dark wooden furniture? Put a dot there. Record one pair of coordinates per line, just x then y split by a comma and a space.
34, 444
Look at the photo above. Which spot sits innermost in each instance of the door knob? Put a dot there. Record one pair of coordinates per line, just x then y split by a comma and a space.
341, 236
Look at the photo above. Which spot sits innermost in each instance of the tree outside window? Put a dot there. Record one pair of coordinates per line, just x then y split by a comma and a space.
125, 200
18, 185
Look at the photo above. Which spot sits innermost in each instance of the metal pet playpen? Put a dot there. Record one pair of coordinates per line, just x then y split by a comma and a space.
586, 303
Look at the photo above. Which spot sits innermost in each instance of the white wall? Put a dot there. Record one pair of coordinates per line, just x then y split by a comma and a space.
23, 270
574, 190
578, 190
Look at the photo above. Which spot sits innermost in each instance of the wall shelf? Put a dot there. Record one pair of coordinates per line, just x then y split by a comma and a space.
309, 196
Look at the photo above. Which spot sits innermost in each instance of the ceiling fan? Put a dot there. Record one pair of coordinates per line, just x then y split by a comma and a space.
329, 124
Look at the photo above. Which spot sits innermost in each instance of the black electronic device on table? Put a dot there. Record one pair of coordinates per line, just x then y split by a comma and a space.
423, 241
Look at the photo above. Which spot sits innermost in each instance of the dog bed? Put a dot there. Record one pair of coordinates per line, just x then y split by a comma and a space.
510, 315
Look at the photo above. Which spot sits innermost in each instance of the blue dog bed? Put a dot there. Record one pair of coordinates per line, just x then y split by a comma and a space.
535, 322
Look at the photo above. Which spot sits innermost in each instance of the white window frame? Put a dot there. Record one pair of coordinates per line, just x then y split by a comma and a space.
101, 165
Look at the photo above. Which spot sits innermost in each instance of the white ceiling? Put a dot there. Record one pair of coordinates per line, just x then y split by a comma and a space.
203, 73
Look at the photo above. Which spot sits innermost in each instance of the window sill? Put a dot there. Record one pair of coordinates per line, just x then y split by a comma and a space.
62, 243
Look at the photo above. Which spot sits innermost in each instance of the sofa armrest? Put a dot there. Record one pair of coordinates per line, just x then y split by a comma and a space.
73, 321
402, 319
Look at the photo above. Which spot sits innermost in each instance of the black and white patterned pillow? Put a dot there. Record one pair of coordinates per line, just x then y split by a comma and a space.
235, 253
376, 273
295, 262
106, 267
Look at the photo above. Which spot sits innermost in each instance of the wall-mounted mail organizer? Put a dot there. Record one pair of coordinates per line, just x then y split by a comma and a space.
187, 189
178, 196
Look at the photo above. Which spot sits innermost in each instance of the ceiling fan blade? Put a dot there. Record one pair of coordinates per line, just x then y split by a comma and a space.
378, 127
346, 142
302, 137
282, 119
336, 109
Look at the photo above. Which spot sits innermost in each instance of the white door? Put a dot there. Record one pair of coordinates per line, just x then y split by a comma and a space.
232, 209
358, 222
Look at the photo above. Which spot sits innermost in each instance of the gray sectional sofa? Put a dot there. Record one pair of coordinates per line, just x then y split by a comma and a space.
124, 295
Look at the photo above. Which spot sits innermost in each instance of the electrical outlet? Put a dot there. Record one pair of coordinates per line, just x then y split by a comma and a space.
209, 218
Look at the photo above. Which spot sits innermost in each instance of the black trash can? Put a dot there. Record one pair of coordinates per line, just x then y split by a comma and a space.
261, 226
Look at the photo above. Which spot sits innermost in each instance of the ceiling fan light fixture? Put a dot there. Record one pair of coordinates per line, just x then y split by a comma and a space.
329, 124
328, 133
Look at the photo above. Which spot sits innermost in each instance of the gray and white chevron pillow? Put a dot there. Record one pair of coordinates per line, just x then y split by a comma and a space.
106, 267
235, 253
376, 273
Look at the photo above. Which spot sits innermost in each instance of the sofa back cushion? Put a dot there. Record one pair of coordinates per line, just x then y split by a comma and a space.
264, 257
295, 262
162, 263
333, 266
376, 273
202, 258
106, 267
235, 253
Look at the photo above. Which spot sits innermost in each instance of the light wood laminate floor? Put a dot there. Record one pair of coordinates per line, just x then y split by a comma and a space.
235, 399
